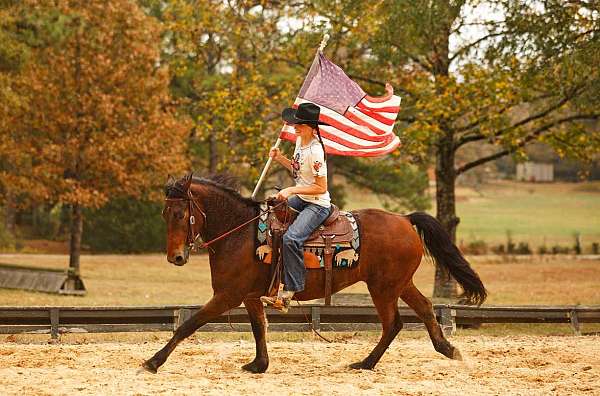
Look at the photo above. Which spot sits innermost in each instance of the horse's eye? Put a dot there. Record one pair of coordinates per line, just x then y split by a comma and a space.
179, 215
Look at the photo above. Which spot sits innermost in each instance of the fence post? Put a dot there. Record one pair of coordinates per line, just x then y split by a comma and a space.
54, 323
575, 322
315, 315
448, 323
183, 314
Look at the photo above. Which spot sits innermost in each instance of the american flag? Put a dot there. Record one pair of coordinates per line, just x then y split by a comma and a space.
357, 127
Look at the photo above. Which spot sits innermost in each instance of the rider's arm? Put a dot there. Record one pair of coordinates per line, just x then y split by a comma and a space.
282, 159
318, 187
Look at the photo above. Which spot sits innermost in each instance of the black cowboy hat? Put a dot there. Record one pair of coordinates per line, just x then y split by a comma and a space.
306, 113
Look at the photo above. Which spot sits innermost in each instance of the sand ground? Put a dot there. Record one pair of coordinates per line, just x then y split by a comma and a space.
516, 365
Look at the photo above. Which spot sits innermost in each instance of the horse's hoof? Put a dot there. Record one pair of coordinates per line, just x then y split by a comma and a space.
360, 366
456, 354
256, 367
149, 367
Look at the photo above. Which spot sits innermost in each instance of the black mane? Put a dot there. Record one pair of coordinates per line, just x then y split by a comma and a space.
226, 183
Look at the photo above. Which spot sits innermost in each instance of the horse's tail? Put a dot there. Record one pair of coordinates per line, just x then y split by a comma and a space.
446, 254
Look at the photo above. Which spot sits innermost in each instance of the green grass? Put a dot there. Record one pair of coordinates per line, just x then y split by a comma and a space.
540, 214
537, 213
150, 280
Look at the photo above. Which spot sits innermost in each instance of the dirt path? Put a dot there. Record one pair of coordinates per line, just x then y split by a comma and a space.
493, 365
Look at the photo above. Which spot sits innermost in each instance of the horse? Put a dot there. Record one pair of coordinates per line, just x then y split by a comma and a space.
390, 253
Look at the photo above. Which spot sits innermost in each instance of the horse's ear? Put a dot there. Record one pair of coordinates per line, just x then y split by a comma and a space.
188, 180
170, 180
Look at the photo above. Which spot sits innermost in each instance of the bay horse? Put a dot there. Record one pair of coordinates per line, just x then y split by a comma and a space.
390, 253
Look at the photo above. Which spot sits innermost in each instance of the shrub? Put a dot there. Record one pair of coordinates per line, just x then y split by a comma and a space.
475, 247
498, 249
510, 245
523, 248
557, 249
125, 225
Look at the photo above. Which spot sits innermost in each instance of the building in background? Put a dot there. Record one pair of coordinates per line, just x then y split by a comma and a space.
535, 172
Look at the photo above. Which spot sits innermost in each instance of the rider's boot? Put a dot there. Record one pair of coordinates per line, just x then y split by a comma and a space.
280, 302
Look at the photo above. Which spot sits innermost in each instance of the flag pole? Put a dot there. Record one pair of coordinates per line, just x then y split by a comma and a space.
265, 170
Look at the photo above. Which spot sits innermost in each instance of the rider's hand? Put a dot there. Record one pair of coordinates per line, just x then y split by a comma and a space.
389, 90
274, 153
285, 193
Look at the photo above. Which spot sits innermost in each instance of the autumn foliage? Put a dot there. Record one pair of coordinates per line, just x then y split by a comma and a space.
97, 119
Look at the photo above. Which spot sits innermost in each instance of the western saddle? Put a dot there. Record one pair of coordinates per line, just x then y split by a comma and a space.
335, 230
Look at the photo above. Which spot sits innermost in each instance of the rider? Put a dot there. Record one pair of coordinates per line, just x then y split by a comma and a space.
309, 197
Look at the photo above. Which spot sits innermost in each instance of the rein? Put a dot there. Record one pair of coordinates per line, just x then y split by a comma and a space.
193, 235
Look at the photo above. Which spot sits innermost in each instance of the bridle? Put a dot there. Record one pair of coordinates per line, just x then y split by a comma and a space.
193, 235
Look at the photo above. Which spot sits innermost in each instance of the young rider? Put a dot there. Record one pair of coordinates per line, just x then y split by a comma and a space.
309, 197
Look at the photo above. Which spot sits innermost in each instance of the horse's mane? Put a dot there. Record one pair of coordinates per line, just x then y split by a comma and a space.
224, 182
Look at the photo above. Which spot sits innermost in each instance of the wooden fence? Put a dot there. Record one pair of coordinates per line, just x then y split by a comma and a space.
60, 320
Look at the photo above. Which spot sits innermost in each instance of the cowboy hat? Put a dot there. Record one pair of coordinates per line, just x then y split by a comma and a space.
306, 113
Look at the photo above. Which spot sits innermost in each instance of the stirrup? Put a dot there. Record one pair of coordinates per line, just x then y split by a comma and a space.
278, 303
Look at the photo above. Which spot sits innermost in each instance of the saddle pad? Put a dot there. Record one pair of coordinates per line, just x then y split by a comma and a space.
345, 255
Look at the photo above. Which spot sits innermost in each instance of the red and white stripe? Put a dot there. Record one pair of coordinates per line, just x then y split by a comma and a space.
365, 130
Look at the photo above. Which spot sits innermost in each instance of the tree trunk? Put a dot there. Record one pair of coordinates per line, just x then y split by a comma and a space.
10, 213
445, 174
75, 244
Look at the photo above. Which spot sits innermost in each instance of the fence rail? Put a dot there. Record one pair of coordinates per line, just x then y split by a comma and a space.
60, 320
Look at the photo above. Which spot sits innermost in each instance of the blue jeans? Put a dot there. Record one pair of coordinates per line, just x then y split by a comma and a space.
310, 217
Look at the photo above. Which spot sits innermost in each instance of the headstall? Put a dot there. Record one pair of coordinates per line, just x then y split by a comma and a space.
193, 235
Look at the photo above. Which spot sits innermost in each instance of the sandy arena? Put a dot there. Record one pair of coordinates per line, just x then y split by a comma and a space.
516, 365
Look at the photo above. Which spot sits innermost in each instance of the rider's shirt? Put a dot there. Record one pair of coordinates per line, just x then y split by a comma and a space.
309, 161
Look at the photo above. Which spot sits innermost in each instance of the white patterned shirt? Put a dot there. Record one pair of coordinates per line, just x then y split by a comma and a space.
309, 161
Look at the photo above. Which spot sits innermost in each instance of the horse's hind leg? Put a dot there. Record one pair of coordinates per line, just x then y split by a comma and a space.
387, 308
423, 308
256, 312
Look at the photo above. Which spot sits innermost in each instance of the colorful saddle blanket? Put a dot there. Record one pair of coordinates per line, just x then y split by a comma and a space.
346, 253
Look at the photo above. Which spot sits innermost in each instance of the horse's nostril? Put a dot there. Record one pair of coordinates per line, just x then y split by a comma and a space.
179, 260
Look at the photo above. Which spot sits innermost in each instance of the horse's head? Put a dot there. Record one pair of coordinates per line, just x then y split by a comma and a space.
185, 219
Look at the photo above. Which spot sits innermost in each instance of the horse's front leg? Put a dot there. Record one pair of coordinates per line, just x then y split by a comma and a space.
216, 306
258, 320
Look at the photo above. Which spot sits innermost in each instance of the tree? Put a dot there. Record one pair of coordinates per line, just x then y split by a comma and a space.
503, 73
99, 119
222, 55
14, 53
505, 98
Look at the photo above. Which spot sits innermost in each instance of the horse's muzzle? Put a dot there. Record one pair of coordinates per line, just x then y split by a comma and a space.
179, 259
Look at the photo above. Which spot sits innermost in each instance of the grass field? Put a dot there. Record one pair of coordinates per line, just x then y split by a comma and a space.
150, 280
536, 213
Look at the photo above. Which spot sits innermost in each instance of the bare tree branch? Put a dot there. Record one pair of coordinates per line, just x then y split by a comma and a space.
467, 47
477, 122
291, 62
476, 137
412, 57
532, 136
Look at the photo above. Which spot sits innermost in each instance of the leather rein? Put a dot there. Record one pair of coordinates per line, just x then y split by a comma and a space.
193, 235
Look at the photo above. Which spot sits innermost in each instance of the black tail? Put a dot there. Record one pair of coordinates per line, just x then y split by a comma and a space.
446, 254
